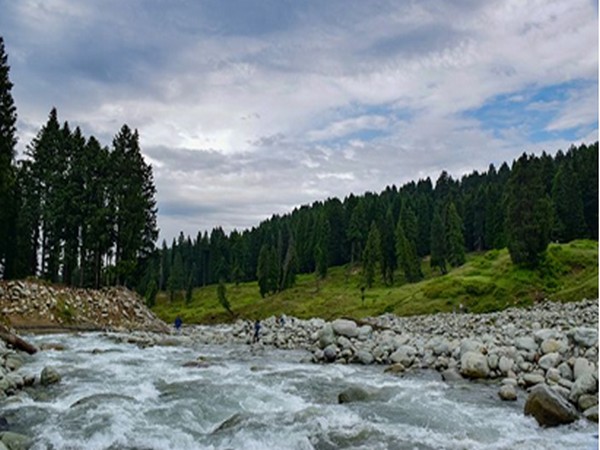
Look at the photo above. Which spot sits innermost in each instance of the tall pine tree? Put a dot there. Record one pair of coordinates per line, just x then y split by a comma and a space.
528, 213
8, 141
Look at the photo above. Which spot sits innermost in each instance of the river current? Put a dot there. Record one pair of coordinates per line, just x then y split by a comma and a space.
118, 396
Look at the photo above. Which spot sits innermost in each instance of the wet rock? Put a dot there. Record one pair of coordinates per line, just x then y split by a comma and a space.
97, 399
548, 408
586, 401
15, 441
507, 392
330, 352
49, 376
591, 413
395, 369
355, 394
52, 346
450, 375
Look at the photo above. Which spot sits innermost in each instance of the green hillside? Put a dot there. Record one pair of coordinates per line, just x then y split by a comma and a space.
487, 282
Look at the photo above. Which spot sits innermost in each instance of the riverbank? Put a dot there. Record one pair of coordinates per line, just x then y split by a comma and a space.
550, 344
35, 306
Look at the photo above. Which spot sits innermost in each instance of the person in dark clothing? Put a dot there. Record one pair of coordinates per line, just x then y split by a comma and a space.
178, 323
256, 337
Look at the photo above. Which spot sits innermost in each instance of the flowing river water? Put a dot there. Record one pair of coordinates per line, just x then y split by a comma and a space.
117, 396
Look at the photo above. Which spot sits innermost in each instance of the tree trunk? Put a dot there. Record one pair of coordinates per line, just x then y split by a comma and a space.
16, 341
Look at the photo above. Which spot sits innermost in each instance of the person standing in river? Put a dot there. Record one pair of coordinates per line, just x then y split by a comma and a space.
256, 337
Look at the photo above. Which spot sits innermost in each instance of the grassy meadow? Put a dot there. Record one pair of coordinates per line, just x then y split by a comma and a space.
487, 282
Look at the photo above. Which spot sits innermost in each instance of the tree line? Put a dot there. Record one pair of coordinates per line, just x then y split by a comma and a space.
524, 206
73, 211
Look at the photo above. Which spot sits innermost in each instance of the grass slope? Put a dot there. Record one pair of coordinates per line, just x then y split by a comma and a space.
487, 282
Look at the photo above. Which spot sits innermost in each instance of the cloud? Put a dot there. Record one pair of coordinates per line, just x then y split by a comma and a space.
246, 109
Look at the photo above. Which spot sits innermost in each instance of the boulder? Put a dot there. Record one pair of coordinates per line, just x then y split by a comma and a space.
585, 384
49, 376
526, 343
549, 361
565, 371
591, 413
405, 355
365, 357
450, 375
474, 365
330, 352
586, 401
505, 364
395, 369
344, 327
355, 394
584, 337
507, 392
548, 408
552, 346
326, 336
582, 366
470, 345
12, 361
531, 379
15, 441
365, 332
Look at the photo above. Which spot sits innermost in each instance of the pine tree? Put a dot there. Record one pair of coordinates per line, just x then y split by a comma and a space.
222, 297
266, 271
371, 255
356, 233
406, 249
8, 141
135, 205
569, 222
176, 278
528, 213
439, 245
322, 245
454, 237
388, 249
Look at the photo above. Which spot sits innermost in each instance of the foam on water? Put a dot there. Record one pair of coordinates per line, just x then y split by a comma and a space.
118, 396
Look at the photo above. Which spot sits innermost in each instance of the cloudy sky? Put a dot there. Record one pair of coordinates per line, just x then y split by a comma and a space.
249, 108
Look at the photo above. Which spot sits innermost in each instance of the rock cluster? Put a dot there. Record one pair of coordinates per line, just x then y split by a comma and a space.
31, 305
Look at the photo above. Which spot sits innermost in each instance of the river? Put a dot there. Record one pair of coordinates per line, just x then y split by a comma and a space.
118, 396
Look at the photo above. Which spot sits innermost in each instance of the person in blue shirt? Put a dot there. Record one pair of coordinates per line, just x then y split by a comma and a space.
178, 323
256, 337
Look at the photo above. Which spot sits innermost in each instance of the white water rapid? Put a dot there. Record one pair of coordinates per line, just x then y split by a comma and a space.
118, 396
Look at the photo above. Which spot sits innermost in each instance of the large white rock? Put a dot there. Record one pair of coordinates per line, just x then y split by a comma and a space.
474, 365
582, 366
404, 355
586, 337
344, 327
526, 343
550, 360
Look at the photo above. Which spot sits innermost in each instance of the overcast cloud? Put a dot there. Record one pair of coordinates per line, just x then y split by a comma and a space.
250, 108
